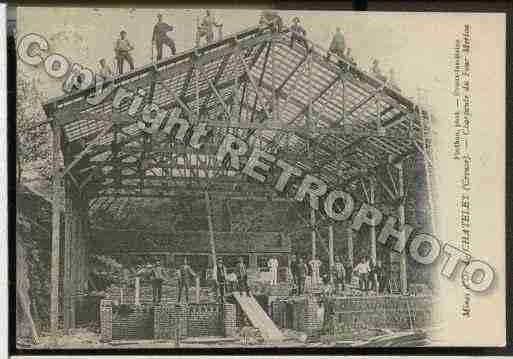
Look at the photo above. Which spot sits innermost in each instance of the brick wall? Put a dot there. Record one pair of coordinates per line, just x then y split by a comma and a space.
137, 324
230, 320
354, 313
165, 321
204, 320
382, 312
105, 320
169, 321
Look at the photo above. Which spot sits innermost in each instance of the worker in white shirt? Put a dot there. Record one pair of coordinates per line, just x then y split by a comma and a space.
315, 267
272, 263
362, 270
122, 51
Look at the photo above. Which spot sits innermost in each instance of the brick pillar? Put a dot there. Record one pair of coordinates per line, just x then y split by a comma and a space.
253, 261
105, 320
230, 320
159, 322
311, 322
181, 318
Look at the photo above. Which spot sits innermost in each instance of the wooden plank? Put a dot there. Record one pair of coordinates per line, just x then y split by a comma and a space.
22, 299
211, 234
64, 115
56, 215
87, 149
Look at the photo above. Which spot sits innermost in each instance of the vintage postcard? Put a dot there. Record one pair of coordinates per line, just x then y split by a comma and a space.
216, 178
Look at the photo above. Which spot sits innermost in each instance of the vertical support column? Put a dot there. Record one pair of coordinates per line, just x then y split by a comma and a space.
350, 247
253, 263
86, 230
137, 299
314, 239
310, 93
56, 219
402, 222
372, 229
196, 77
331, 250
275, 118
211, 232
69, 279
197, 290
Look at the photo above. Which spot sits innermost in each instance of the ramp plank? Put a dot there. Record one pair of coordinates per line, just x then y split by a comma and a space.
259, 318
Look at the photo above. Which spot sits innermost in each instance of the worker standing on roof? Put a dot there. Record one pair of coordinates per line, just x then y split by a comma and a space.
122, 51
338, 44
104, 69
160, 38
271, 18
207, 27
376, 70
298, 33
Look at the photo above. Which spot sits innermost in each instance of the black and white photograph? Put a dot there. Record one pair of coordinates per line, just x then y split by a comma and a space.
257, 178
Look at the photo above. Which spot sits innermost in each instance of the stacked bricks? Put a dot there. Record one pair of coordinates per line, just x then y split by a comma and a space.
355, 313
391, 312
169, 294
203, 320
105, 320
230, 320
180, 318
166, 319
137, 324
311, 321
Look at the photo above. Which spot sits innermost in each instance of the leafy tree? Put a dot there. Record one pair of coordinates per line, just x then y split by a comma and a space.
33, 137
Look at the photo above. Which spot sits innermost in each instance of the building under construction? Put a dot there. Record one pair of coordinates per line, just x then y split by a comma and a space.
140, 194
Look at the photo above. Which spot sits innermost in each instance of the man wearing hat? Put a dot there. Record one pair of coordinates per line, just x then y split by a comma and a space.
160, 37
221, 278
207, 27
185, 275
271, 18
298, 33
122, 51
338, 44
242, 277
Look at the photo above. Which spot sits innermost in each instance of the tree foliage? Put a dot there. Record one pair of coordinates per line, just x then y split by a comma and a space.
33, 139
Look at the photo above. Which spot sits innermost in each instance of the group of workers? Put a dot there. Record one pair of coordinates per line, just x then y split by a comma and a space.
370, 276
160, 38
157, 274
303, 274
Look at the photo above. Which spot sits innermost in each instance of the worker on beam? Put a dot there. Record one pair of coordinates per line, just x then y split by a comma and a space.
376, 70
122, 51
337, 45
271, 18
206, 28
160, 38
298, 33
104, 69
